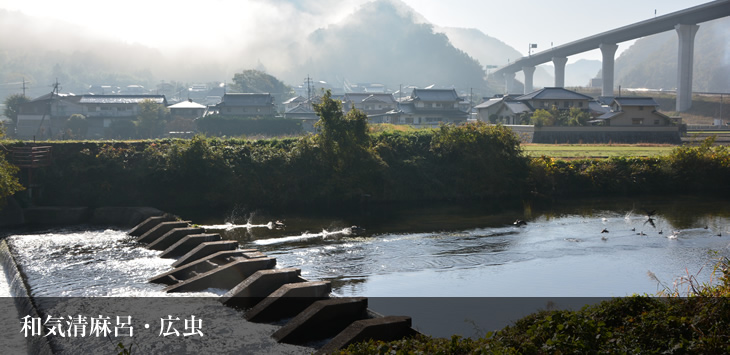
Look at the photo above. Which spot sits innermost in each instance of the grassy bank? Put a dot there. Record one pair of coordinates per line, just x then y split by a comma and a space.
466, 163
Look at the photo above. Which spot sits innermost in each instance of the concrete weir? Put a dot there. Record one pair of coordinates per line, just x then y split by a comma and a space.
265, 293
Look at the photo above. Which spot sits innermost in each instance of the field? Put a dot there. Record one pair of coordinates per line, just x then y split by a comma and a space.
570, 151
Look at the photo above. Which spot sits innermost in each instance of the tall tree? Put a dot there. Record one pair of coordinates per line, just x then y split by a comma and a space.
255, 81
12, 106
151, 118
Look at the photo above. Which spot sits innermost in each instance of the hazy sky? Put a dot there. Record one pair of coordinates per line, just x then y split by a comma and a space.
215, 23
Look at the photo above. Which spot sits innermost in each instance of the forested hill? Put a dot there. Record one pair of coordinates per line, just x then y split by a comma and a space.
384, 42
651, 62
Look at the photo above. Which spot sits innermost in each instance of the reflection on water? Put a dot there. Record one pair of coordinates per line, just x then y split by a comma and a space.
422, 251
469, 252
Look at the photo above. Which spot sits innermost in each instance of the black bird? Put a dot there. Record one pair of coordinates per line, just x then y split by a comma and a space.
649, 219
604, 230
520, 223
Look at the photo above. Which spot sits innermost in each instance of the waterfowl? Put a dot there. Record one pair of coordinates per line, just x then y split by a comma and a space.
604, 230
520, 223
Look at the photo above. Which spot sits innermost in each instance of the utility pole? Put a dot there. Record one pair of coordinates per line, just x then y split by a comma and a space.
309, 88
23, 86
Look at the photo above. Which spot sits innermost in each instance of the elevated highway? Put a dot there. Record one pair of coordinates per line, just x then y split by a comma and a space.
684, 22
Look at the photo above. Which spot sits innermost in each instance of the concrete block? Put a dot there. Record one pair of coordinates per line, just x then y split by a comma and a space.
383, 328
184, 272
206, 249
160, 230
224, 277
187, 244
262, 283
172, 237
288, 301
323, 319
148, 224
254, 254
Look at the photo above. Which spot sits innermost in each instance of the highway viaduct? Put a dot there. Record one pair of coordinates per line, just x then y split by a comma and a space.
685, 22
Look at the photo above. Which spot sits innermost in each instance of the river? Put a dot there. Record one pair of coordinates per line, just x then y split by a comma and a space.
444, 253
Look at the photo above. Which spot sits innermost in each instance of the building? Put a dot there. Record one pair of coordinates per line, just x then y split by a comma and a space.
45, 117
187, 109
379, 107
560, 98
432, 107
634, 111
304, 112
250, 105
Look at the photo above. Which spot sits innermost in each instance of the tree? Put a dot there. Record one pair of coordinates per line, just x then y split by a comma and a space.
151, 118
12, 106
340, 132
78, 125
255, 81
542, 118
9, 183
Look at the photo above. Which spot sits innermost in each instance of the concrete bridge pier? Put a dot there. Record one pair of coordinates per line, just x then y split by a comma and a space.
608, 51
685, 60
559, 63
509, 82
529, 72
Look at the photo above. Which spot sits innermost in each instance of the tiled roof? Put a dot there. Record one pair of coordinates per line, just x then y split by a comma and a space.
517, 107
121, 99
448, 95
187, 104
361, 97
246, 100
489, 103
553, 94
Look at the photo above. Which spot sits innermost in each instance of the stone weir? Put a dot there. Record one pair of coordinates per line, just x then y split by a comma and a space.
306, 310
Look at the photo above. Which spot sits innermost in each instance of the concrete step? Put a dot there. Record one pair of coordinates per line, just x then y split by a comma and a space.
288, 301
383, 328
172, 237
184, 272
148, 224
323, 319
206, 249
224, 277
187, 244
262, 283
160, 229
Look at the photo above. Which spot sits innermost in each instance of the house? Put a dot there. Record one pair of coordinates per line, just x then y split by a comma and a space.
45, 116
373, 105
560, 98
431, 107
293, 102
501, 109
634, 111
305, 113
250, 105
187, 109
102, 110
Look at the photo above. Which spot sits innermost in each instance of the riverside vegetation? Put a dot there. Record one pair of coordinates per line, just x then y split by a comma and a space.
347, 164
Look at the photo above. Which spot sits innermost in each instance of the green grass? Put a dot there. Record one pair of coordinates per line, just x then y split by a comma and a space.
596, 150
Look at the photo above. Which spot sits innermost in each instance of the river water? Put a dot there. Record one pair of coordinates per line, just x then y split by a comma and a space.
426, 251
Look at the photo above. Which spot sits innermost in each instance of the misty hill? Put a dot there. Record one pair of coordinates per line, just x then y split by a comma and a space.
41, 51
384, 42
651, 62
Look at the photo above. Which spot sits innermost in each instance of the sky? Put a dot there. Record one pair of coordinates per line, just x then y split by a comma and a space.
211, 24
